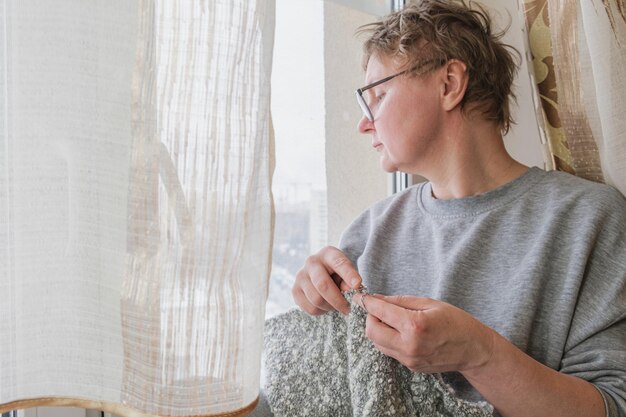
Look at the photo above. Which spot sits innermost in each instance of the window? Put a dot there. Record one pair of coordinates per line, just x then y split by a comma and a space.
299, 184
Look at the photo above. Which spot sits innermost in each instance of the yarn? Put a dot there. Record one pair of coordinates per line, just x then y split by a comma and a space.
325, 366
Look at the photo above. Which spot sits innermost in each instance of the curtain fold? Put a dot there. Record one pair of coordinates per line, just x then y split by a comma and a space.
135, 204
579, 66
373, 7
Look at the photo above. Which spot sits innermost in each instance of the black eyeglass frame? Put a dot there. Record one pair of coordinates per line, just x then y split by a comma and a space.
361, 100
359, 92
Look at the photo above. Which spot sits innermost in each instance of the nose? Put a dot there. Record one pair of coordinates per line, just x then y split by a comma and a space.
365, 125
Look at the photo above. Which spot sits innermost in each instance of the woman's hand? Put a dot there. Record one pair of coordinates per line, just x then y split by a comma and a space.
426, 335
319, 283
432, 336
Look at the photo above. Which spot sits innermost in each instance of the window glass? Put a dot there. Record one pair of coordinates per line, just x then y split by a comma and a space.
299, 183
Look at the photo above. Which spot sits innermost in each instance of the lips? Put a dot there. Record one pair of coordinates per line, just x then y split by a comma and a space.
377, 145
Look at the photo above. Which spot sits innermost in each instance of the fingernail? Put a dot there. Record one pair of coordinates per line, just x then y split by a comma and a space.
356, 283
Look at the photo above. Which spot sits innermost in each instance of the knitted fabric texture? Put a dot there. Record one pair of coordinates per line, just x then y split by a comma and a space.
325, 366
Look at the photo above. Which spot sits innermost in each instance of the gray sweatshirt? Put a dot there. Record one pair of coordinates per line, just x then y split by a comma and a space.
541, 260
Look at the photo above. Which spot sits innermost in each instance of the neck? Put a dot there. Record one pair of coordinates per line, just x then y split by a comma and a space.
472, 163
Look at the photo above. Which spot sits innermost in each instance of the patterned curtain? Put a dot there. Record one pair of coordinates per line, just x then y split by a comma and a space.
578, 52
135, 204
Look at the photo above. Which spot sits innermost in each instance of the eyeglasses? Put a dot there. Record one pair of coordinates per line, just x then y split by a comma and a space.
359, 92
361, 100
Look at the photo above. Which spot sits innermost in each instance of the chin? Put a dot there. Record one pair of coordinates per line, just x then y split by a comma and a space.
387, 167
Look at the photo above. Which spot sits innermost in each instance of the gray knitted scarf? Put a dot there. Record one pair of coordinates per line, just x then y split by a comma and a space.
325, 366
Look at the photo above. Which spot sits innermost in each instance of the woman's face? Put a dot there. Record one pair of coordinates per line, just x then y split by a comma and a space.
407, 117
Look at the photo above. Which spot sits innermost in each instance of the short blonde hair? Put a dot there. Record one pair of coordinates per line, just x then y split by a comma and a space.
432, 32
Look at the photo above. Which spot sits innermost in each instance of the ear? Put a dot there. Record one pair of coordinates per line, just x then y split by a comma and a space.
454, 83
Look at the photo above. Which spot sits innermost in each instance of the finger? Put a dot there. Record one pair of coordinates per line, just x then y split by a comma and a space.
389, 313
408, 301
307, 297
357, 299
340, 283
304, 304
336, 261
383, 335
314, 297
325, 286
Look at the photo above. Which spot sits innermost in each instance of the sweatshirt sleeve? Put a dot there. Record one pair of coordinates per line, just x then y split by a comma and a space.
596, 346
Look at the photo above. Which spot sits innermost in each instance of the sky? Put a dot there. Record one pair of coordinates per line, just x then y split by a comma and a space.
298, 93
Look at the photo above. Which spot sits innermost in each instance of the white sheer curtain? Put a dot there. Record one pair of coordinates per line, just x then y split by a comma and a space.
603, 68
135, 203
374, 7
579, 66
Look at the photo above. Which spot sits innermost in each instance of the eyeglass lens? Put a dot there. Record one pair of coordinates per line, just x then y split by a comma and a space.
364, 106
